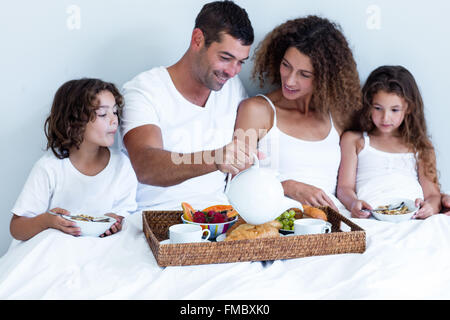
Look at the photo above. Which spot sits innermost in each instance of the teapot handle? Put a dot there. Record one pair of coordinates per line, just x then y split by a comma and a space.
229, 175
255, 161
227, 186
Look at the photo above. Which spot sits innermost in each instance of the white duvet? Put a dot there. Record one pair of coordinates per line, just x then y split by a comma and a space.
408, 260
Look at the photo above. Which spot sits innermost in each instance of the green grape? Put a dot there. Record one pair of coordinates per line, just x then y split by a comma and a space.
287, 219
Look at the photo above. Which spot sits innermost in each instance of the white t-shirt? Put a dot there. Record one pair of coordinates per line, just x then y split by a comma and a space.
56, 183
152, 98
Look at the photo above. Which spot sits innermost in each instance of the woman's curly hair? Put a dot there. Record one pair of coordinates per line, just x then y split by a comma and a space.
337, 88
413, 130
73, 107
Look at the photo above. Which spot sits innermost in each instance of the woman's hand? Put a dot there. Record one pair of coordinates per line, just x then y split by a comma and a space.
59, 223
425, 211
357, 208
307, 194
116, 227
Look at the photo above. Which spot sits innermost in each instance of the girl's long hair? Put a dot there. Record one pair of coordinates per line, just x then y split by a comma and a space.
413, 130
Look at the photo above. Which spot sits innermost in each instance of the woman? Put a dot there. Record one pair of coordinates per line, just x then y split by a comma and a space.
298, 125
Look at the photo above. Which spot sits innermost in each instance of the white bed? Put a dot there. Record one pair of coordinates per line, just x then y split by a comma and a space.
408, 260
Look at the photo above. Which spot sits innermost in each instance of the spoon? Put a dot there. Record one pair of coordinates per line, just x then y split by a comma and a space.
95, 219
390, 207
62, 215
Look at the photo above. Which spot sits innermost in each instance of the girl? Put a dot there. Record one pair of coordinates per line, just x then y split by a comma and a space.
81, 174
392, 156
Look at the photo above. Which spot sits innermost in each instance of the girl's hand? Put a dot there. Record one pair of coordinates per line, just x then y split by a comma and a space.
446, 204
425, 211
116, 227
358, 206
59, 223
310, 195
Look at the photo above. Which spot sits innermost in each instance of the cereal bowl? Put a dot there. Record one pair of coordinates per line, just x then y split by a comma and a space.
215, 229
412, 209
93, 228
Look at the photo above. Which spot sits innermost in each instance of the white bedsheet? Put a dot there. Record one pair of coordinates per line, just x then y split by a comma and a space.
408, 260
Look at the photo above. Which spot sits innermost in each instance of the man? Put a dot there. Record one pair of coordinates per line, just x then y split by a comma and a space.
178, 121
446, 203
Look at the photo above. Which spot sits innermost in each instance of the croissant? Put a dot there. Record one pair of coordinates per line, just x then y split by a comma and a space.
314, 212
250, 231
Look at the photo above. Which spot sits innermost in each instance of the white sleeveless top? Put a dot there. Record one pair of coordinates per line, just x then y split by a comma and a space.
311, 162
383, 175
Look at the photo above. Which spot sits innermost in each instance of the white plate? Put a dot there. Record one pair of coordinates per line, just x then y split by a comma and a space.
167, 241
221, 237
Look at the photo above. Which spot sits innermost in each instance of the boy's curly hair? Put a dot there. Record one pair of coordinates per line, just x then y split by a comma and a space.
337, 87
413, 130
73, 107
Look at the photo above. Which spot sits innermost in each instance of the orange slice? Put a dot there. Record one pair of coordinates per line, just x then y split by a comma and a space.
188, 211
223, 207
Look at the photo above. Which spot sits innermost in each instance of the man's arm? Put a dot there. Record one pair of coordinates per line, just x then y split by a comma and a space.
155, 166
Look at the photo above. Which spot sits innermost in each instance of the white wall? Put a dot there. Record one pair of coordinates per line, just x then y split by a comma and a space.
42, 47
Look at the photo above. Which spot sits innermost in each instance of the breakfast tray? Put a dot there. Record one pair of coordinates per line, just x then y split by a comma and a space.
156, 225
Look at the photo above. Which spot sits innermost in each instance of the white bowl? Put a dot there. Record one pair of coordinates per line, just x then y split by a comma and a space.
94, 229
395, 217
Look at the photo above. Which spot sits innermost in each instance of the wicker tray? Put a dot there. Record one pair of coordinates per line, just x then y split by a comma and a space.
157, 223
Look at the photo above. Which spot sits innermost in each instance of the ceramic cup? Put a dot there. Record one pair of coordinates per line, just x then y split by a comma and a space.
311, 226
184, 233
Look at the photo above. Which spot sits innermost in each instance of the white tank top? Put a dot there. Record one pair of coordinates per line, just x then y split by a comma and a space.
382, 175
311, 162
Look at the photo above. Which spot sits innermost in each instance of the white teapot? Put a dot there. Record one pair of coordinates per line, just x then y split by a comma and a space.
257, 194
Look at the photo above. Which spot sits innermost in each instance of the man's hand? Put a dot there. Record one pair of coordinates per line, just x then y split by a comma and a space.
234, 157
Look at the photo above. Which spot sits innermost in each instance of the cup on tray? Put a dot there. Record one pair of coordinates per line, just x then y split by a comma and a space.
185, 233
311, 226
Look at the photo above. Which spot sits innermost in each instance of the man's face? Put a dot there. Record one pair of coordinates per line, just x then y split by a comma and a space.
220, 61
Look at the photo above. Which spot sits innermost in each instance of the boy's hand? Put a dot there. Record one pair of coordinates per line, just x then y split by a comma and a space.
358, 206
64, 225
116, 227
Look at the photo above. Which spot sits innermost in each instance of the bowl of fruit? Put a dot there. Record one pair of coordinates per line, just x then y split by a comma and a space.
217, 219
